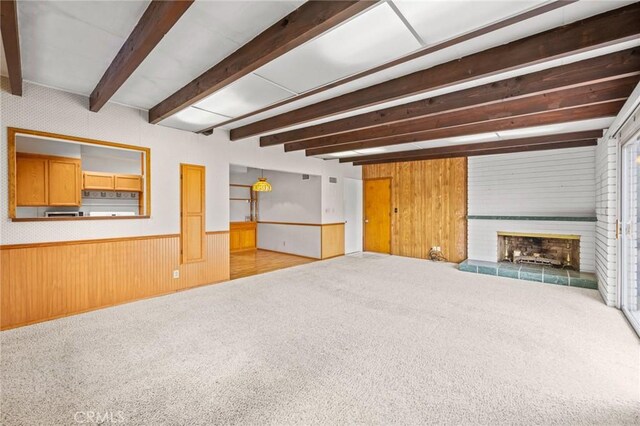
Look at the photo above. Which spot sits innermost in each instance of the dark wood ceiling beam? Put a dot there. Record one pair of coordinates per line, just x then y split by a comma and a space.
597, 31
532, 13
308, 21
583, 95
607, 109
611, 66
506, 150
464, 149
157, 20
11, 43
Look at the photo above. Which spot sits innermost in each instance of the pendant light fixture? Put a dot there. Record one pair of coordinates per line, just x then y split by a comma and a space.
262, 185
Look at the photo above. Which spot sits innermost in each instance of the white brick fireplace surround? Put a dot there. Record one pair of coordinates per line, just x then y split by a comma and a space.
545, 192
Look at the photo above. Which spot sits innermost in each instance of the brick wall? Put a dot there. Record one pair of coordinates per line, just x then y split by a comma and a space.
606, 213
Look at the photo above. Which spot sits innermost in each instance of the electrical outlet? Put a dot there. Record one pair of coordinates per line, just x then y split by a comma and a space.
176, 273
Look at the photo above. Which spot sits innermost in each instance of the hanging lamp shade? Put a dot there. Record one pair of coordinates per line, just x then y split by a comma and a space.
262, 185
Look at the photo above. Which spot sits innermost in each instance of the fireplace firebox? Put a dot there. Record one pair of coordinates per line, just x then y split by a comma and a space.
553, 250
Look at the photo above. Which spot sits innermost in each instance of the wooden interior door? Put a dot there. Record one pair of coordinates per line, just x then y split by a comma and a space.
64, 182
192, 213
32, 181
377, 215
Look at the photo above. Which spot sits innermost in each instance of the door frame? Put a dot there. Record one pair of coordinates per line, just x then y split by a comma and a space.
364, 205
359, 183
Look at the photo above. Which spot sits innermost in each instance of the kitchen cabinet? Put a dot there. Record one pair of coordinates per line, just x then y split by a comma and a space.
64, 183
111, 182
128, 183
32, 181
97, 180
47, 181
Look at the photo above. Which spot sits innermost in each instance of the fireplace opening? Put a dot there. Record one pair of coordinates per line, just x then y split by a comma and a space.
553, 250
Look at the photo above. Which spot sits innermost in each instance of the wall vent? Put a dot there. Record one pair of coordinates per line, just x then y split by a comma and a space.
333, 180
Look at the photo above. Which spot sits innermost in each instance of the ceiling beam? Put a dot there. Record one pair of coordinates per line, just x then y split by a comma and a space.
308, 21
505, 150
597, 31
156, 21
464, 149
528, 14
11, 42
582, 95
601, 68
600, 110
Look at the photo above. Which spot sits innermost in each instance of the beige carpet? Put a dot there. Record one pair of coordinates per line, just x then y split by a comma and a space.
371, 339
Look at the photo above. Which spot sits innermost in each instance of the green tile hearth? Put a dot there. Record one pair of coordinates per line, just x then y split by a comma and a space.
537, 273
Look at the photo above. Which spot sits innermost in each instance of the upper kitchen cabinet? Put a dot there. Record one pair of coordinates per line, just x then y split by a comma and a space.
32, 180
64, 182
111, 181
47, 180
56, 176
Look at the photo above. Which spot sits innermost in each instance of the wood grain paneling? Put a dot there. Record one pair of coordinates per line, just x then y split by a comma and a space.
332, 240
46, 281
431, 202
192, 213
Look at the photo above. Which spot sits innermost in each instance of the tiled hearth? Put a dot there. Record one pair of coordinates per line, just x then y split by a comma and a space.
542, 274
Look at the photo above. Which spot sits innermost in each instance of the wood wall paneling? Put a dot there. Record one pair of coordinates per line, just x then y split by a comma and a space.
46, 281
431, 201
332, 240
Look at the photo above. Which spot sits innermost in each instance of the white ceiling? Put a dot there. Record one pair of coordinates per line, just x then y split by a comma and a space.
69, 45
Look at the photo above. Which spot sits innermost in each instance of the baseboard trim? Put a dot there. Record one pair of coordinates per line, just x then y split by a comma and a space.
290, 254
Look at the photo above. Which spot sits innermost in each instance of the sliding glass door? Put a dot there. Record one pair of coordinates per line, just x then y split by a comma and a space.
630, 296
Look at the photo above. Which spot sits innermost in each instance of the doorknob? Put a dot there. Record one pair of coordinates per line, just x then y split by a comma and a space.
366, 221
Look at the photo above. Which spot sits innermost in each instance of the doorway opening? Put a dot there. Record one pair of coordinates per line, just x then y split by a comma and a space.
274, 229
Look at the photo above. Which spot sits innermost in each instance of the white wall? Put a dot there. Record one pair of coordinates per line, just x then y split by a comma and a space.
543, 183
111, 160
292, 199
34, 145
295, 239
50, 110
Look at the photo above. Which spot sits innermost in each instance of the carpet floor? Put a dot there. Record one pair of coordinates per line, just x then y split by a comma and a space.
359, 339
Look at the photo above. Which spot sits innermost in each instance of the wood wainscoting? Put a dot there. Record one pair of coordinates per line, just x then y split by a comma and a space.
332, 240
431, 201
51, 280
